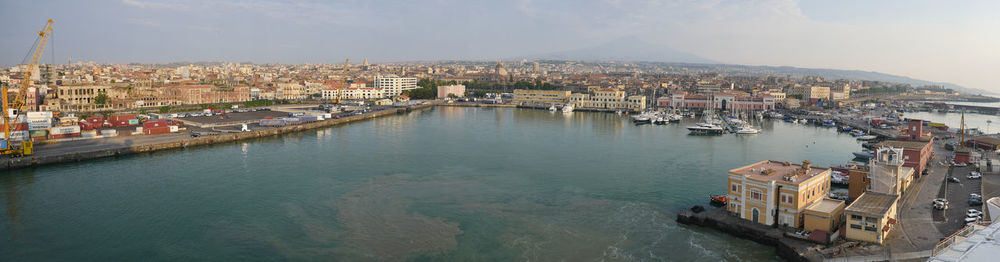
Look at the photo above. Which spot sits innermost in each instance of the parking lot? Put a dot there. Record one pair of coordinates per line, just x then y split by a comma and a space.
232, 117
957, 193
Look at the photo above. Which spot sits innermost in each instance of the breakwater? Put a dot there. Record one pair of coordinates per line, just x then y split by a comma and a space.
38, 160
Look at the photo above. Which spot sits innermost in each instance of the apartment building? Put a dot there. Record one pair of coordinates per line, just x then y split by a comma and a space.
393, 85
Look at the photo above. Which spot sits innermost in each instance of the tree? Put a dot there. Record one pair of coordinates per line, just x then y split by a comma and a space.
452, 96
164, 109
101, 99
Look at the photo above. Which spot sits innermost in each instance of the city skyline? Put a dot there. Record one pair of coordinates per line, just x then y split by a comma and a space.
941, 42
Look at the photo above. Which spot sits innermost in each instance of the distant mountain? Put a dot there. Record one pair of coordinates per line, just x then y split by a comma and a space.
851, 74
624, 49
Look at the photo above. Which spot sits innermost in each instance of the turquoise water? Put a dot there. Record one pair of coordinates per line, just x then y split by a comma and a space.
446, 184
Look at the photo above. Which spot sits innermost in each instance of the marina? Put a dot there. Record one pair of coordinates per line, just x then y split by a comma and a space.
323, 183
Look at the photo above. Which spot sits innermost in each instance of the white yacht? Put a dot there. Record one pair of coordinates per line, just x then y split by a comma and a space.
747, 129
552, 108
567, 109
706, 129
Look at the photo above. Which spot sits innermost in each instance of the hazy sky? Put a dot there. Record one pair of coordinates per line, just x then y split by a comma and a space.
949, 41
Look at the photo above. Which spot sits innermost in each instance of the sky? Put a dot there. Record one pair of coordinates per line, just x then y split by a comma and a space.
943, 41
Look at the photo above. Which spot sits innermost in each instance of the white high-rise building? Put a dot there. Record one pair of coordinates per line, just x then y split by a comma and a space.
393, 85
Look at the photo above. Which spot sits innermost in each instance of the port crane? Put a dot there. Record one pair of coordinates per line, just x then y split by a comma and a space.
343, 82
7, 148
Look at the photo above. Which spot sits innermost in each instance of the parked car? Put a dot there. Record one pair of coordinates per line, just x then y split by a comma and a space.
974, 175
953, 179
973, 213
961, 164
975, 202
974, 195
195, 134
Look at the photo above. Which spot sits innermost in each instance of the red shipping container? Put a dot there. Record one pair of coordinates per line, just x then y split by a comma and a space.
156, 130
20, 127
96, 120
86, 126
117, 118
36, 139
120, 123
152, 124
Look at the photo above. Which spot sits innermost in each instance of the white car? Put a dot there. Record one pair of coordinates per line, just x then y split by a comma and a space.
971, 219
973, 213
974, 176
974, 195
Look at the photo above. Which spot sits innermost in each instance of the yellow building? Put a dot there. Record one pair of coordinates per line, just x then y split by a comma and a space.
773, 192
608, 98
826, 214
522, 96
871, 217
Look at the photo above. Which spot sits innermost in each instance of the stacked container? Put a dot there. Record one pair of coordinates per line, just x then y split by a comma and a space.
65, 132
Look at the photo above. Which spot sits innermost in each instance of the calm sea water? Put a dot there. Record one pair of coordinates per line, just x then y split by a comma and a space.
447, 184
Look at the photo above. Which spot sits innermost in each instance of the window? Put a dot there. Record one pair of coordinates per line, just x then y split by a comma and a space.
787, 198
856, 226
855, 217
756, 194
871, 228
736, 188
871, 220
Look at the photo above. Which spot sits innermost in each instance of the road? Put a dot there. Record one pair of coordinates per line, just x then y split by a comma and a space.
917, 230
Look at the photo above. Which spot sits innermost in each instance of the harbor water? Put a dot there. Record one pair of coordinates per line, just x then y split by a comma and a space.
444, 184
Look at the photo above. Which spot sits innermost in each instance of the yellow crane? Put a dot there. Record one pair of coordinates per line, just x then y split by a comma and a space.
343, 82
25, 147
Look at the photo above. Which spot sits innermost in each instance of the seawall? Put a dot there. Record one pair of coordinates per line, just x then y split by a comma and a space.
718, 219
33, 161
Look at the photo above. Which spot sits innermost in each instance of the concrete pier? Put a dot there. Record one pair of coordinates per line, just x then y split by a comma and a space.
41, 158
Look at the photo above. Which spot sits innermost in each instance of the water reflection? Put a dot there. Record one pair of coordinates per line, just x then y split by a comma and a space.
12, 185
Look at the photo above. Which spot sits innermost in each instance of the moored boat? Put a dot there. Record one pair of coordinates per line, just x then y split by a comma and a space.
719, 200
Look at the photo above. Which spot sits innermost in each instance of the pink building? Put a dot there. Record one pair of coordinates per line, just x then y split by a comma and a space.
457, 90
722, 100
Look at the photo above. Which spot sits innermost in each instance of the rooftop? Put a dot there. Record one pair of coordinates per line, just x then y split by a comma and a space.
872, 203
787, 172
912, 145
988, 140
826, 205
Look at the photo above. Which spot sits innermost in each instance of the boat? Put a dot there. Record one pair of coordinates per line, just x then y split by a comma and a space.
552, 108
660, 121
706, 129
719, 200
867, 137
864, 155
674, 118
829, 123
857, 133
837, 177
747, 130
567, 109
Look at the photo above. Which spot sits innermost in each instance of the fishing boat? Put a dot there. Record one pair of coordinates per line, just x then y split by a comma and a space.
829, 123
719, 200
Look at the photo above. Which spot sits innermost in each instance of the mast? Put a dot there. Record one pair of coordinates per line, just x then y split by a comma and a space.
961, 132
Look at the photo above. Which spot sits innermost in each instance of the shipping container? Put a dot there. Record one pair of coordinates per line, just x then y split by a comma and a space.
133, 122
96, 120
308, 118
39, 124
20, 127
88, 133
38, 133
126, 117
41, 138
17, 135
65, 130
156, 130
109, 132
86, 125
61, 136
39, 115
157, 123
